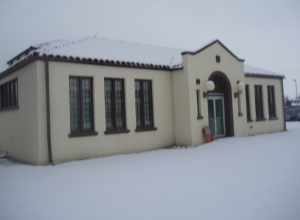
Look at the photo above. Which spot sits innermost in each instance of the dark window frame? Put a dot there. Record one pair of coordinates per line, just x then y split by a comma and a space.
81, 131
272, 102
248, 102
139, 95
9, 95
259, 103
198, 102
114, 129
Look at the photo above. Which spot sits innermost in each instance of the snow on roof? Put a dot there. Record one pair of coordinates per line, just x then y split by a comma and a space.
252, 69
107, 49
256, 70
94, 47
103, 48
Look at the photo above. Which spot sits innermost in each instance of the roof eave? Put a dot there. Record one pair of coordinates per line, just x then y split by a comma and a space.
77, 60
262, 75
18, 56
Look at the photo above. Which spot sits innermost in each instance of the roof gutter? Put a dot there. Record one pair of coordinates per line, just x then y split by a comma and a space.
48, 119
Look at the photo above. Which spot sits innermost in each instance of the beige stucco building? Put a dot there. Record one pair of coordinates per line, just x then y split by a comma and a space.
65, 100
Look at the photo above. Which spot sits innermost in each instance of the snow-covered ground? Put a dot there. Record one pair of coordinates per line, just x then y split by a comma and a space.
232, 178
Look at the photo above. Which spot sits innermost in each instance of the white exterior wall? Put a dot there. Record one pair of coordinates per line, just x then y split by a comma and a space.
266, 126
67, 148
23, 130
181, 108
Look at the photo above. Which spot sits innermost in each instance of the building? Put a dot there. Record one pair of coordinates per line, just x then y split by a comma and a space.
67, 100
292, 110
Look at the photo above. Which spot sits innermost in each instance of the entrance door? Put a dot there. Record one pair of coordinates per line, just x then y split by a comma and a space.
216, 115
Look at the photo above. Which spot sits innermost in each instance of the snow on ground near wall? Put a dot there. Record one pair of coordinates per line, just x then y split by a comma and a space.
232, 178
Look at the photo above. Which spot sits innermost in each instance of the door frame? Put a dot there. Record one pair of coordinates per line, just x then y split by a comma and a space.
214, 97
223, 85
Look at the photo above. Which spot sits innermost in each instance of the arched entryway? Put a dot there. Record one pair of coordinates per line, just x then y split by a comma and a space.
220, 106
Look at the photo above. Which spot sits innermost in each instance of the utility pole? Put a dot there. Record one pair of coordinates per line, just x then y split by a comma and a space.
296, 86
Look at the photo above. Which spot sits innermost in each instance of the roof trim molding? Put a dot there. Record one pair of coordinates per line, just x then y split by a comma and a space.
77, 60
268, 76
103, 62
17, 66
210, 44
18, 56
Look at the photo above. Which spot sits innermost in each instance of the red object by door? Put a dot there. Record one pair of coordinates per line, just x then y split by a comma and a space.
207, 135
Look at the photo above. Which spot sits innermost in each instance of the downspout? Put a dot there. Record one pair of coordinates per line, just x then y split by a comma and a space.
50, 153
283, 108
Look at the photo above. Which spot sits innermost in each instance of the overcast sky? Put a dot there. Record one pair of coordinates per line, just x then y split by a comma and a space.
265, 33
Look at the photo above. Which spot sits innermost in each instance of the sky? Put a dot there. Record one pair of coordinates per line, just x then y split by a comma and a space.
265, 33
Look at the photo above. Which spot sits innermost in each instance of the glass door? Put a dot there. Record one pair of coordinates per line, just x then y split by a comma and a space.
211, 116
216, 115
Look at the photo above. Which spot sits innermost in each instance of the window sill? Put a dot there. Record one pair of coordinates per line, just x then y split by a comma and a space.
250, 121
273, 119
83, 134
7, 109
116, 131
145, 129
263, 119
240, 114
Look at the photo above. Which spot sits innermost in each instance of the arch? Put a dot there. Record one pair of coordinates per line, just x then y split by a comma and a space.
222, 85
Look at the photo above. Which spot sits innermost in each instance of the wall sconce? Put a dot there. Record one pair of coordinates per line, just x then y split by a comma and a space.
237, 94
210, 86
240, 87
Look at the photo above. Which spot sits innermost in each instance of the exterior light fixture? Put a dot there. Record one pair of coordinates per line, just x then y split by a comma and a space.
240, 88
210, 86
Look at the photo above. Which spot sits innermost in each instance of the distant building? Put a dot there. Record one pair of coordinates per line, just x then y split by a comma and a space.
295, 102
292, 110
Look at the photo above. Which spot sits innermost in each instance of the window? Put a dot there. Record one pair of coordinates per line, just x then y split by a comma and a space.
271, 102
248, 106
81, 106
115, 113
9, 95
259, 103
218, 59
144, 105
198, 96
